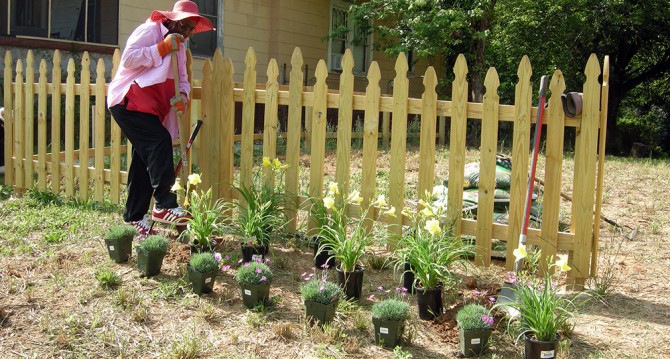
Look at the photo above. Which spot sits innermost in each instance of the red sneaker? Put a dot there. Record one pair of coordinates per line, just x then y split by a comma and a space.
175, 216
142, 227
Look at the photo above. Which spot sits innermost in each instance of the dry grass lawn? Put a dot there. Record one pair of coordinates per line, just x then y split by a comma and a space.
52, 306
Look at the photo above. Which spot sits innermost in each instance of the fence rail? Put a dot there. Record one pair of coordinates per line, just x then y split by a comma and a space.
84, 123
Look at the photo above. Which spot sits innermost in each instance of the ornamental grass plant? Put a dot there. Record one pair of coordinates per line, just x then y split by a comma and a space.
204, 262
260, 211
206, 213
320, 290
347, 236
254, 273
390, 309
154, 243
124, 231
543, 312
474, 317
429, 245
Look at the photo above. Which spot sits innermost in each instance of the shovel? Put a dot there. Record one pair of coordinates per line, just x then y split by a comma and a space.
507, 294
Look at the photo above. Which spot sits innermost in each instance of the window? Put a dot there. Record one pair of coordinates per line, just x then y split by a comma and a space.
360, 47
93, 21
204, 43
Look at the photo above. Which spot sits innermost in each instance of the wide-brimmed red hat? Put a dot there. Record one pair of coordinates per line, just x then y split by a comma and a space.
184, 9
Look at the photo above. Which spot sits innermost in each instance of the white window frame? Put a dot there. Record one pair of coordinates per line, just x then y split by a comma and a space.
335, 55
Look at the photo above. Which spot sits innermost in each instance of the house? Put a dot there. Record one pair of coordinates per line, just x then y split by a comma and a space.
272, 27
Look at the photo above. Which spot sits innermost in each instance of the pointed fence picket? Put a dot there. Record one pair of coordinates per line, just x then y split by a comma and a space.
78, 146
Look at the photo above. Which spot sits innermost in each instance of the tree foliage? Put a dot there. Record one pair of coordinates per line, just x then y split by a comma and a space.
555, 34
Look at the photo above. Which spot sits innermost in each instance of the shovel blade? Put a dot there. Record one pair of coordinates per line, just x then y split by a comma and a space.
506, 297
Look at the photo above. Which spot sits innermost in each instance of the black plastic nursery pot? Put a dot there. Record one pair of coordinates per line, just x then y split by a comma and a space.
388, 333
254, 294
318, 312
149, 262
325, 258
253, 253
473, 342
119, 249
408, 278
201, 282
430, 302
536, 349
351, 282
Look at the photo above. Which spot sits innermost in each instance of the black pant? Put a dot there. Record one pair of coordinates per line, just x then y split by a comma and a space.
151, 170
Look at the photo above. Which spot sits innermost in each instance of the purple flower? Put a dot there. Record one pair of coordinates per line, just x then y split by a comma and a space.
246, 265
325, 266
321, 288
217, 256
264, 278
259, 271
488, 320
476, 292
267, 260
492, 299
380, 288
226, 258
225, 268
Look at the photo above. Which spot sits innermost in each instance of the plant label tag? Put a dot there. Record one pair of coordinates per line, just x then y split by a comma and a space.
547, 354
111, 248
207, 280
383, 330
475, 341
247, 292
256, 257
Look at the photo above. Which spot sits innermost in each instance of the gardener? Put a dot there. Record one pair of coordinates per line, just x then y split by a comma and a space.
142, 99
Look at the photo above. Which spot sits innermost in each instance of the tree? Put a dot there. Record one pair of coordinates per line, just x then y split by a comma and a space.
434, 29
562, 34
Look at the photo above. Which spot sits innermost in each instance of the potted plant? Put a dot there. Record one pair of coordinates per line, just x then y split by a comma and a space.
542, 312
202, 270
348, 237
321, 298
260, 211
150, 254
119, 242
388, 319
204, 221
474, 327
431, 251
254, 279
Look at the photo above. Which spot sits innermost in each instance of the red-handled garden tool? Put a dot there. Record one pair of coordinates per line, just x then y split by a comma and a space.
507, 294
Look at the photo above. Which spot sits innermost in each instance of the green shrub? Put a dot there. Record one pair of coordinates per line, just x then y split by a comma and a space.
121, 231
155, 243
390, 309
254, 273
204, 262
321, 292
474, 317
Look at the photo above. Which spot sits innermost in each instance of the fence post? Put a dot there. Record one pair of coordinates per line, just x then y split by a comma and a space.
551, 199
523, 102
427, 140
398, 141
29, 120
318, 148
248, 119
584, 183
84, 124
459, 120
344, 120
9, 120
42, 127
293, 138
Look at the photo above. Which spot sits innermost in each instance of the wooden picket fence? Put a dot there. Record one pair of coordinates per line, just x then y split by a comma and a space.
218, 94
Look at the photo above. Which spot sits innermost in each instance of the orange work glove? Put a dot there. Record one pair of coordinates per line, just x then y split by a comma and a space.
165, 46
180, 103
